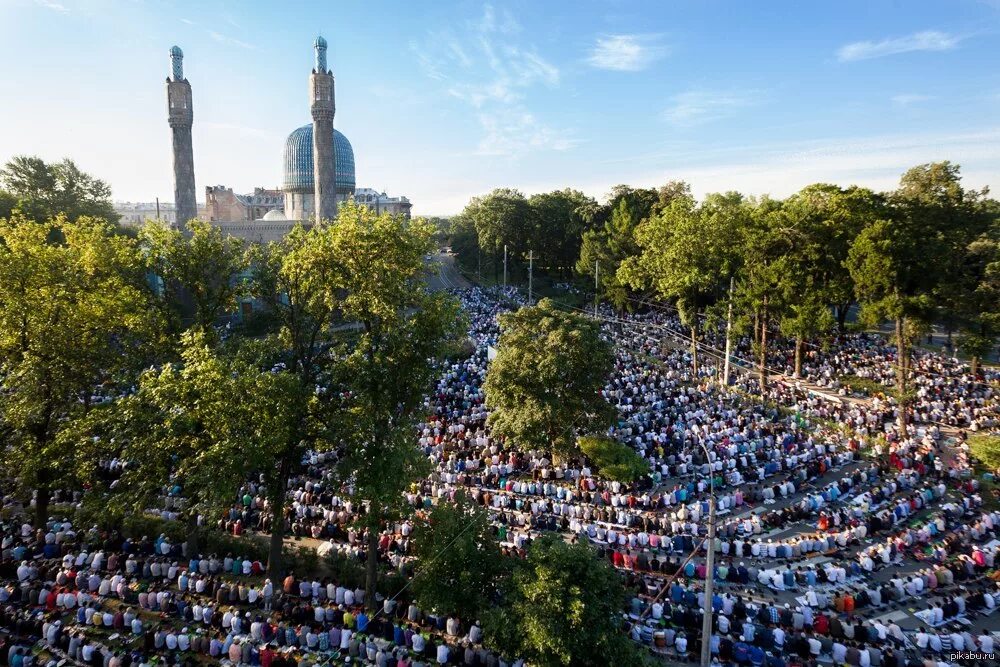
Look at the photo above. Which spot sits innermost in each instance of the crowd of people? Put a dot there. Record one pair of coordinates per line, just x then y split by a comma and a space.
831, 525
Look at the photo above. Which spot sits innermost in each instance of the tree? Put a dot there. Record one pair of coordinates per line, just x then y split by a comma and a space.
898, 262
73, 316
603, 250
613, 459
205, 441
501, 218
768, 248
459, 565
201, 272
297, 279
464, 242
389, 365
559, 223
46, 190
688, 256
563, 608
544, 385
831, 217
974, 292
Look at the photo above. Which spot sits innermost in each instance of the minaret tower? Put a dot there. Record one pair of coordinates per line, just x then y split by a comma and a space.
321, 101
180, 117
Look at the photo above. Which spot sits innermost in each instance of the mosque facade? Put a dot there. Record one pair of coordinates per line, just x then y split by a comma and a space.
318, 169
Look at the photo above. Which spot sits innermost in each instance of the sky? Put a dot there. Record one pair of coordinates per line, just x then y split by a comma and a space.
445, 100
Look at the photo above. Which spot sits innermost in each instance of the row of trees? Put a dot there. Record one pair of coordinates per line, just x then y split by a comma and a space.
925, 253
110, 348
342, 355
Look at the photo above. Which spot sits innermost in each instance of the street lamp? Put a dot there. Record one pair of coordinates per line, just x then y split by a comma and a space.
706, 623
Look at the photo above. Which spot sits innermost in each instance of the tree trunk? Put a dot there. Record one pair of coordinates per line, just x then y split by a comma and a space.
842, 317
371, 567
902, 352
42, 497
974, 364
274, 565
799, 344
694, 353
191, 546
762, 379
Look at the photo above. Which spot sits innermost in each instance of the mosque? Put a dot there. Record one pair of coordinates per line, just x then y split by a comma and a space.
318, 167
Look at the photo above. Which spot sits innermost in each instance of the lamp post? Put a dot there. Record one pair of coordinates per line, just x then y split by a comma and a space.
706, 623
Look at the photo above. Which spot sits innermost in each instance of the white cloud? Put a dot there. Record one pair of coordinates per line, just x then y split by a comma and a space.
54, 6
694, 107
626, 53
909, 99
226, 39
485, 67
928, 40
516, 132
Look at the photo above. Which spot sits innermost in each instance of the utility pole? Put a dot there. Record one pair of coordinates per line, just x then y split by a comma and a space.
597, 283
530, 268
157, 209
729, 335
505, 266
706, 623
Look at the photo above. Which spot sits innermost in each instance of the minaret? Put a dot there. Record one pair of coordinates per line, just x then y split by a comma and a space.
180, 117
321, 101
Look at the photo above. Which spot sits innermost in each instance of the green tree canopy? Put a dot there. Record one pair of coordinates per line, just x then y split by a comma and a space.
898, 262
687, 255
202, 272
459, 565
544, 386
559, 220
563, 608
74, 315
388, 365
604, 249
44, 190
613, 459
205, 441
502, 217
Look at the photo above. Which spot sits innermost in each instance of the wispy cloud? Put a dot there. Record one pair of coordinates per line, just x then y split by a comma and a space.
188, 21
54, 6
909, 99
226, 39
517, 132
694, 107
928, 40
484, 66
626, 53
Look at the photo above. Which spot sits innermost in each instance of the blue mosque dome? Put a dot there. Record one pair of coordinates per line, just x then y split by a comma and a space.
298, 173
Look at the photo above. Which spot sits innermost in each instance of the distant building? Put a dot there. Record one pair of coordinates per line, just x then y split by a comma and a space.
222, 204
382, 203
317, 169
133, 214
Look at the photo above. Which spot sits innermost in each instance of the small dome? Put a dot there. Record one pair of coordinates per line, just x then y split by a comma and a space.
298, 167
176, 52
274, 214
320, 43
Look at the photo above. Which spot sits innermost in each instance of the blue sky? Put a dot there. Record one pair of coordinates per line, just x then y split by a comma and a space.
446, 100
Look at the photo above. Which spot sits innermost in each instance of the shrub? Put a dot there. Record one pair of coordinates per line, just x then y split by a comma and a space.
614, 460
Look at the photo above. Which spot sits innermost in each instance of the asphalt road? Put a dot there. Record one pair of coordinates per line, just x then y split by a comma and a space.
443, 274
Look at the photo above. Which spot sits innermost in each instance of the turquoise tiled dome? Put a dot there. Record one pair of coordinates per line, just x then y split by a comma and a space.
299, 161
